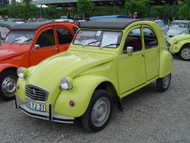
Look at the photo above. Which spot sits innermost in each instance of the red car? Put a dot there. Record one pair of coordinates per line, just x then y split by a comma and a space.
29, 43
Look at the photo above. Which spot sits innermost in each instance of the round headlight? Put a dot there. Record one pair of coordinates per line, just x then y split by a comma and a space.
66, 83
20, 72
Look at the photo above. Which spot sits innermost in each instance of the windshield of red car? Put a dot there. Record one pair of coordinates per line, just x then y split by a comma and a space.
97, 38
19, 37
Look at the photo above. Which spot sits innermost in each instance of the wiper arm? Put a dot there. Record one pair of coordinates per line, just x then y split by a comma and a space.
92, 43
113, 44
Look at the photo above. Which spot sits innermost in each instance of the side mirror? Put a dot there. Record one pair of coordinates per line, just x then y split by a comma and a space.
129, 50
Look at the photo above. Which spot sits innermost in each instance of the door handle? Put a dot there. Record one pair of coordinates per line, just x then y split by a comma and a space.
142, 55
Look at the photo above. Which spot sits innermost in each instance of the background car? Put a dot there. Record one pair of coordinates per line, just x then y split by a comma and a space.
181, 45
29, 43
178, 27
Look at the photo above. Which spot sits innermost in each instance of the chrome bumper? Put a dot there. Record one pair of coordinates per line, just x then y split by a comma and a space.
43, 115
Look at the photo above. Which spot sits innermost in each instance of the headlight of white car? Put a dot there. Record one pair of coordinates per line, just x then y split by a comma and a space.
66, 83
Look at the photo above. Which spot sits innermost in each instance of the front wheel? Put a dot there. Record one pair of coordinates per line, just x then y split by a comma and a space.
99, 111
162, 84
185, 53
8, 84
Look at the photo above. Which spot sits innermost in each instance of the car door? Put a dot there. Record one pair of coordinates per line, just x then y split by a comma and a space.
151, 52
64, 38
44, 47
131, 67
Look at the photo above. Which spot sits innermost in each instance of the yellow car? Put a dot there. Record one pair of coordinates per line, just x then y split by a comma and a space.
106, 62
181, 45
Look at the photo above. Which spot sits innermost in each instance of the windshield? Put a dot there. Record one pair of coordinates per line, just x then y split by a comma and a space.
180, 25
109, 39
21, 37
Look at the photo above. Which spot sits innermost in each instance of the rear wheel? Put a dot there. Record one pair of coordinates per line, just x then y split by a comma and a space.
162, 84
185, 53
99, 111
8, 84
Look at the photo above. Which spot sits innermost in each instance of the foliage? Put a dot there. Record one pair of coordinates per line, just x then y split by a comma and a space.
85, 8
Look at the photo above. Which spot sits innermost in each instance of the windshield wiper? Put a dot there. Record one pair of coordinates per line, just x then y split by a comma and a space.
113, 44
91, 43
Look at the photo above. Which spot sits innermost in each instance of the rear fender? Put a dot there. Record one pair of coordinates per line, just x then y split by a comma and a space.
7, 66
166, 63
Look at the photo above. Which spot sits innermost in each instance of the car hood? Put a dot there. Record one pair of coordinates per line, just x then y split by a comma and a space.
176, 31
8, 51
70, 64
179, 38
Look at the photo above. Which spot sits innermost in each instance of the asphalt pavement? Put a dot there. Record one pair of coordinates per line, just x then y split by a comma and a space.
148, 117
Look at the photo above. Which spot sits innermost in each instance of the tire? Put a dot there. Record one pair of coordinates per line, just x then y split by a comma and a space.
185, 53
8, 79
89, 121
162, 84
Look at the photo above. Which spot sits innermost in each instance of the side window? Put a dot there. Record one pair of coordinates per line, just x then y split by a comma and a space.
64, 36
150, 39
46, 39
134, 40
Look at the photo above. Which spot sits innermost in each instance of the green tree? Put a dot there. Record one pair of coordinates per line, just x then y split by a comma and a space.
183, 12
85, 8
139, 6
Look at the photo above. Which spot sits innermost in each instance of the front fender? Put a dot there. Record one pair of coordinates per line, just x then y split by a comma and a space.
81, 94
6, 66
176, 48
166, 63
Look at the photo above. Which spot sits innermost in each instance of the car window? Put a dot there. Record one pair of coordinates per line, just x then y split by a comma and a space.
64, 36
134, 40
19, 37
150, 39
46, 39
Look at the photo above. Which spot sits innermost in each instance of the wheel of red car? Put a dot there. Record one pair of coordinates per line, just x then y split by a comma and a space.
99, 112
8, 84
185, 53
162, 84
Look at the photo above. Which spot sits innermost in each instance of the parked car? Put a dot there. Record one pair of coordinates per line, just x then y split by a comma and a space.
106, 62
181, 45
163, 26
28, 44
178, 27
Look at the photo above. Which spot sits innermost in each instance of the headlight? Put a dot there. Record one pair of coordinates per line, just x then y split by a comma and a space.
22, 72
66, 83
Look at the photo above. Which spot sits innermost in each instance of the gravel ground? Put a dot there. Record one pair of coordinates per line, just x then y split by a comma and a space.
148, 117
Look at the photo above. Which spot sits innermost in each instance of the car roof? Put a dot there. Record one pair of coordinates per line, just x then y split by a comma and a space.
119, 23
32, 25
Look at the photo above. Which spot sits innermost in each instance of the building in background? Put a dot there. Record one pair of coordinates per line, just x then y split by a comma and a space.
3, 3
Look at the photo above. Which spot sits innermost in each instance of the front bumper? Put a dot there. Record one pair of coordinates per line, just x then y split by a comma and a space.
43, 115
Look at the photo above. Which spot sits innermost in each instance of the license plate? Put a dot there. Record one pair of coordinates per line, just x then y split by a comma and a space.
37, 106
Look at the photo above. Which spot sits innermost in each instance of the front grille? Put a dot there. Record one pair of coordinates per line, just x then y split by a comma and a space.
36, 93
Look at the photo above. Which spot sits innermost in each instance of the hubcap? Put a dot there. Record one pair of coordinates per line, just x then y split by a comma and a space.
101, 112
8, 85
185, 53
166, 81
